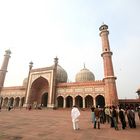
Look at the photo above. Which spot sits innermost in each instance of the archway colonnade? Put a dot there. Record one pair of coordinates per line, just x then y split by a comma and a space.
12, 101
82, 102
62, 102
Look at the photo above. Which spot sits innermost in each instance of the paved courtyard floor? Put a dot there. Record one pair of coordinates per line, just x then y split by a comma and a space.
50, 124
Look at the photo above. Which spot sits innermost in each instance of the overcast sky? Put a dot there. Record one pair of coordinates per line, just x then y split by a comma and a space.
39, 30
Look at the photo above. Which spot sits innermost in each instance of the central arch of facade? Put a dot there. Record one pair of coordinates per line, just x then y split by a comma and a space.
39, 93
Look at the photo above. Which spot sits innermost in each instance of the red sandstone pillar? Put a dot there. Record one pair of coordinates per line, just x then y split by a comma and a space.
4, 66
111, 97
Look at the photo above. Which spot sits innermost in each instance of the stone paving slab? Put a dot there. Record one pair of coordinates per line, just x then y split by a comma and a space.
50, 124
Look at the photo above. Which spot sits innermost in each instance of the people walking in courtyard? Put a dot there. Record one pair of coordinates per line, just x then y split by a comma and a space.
131, 117
102, 116
107, 114
30, 107
114, 117
97, 117
75, 113
9, 108
139, 112
122, 117
93, 116
111, 118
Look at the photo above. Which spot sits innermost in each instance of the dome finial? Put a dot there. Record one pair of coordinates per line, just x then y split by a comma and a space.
84, 66
84, 75
56, 60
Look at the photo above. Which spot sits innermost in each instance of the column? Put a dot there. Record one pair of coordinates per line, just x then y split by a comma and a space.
83, 102
14, 103
2, 103
20, 103
94, 102
73, 101
64, 104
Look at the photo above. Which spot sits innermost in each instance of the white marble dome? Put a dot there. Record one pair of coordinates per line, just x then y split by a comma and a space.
61, 75
84, 75
25, 82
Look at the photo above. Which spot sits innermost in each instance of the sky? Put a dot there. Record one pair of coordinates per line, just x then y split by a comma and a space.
40, 30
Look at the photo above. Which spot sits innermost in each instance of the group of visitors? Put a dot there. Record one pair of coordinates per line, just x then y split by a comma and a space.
112, 115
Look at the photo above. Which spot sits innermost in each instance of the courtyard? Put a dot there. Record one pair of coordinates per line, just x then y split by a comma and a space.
47, 124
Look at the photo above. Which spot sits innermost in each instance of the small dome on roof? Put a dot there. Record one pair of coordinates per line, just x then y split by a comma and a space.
25, 82
84, 75
61, 74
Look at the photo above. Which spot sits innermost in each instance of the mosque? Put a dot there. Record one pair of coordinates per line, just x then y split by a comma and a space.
49, 88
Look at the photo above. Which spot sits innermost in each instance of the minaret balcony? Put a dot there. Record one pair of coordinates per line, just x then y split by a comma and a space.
106, 53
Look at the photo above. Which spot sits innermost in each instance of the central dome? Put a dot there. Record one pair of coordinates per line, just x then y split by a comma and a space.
84, 75
61, 75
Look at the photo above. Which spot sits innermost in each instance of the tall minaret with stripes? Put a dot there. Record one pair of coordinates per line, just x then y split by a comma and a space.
3, 69
111, 97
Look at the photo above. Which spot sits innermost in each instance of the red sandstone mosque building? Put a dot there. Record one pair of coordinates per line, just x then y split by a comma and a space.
48, 86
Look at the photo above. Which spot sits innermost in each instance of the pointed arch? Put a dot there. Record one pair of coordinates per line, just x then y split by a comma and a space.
60, 101
5, 104
88, 101
22, 101
1, 101
38, 88
11, 101
44, 100
79, 101
100, 101
17, 99
69, 101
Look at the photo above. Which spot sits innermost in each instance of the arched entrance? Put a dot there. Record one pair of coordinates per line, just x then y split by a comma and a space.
22, 101
11, 101
17, 102
44, 100
5, 104
88, 101
60, 101
39, 92
100, 101
69, 101
79, 101
1, 100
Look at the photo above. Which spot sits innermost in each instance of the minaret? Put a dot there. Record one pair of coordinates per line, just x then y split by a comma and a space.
3, 69
111, 97
53, 100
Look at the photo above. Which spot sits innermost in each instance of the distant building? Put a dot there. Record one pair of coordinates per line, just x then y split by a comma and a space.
48, 86
129, 102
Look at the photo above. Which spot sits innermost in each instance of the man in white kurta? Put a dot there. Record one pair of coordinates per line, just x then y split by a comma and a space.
75, 113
